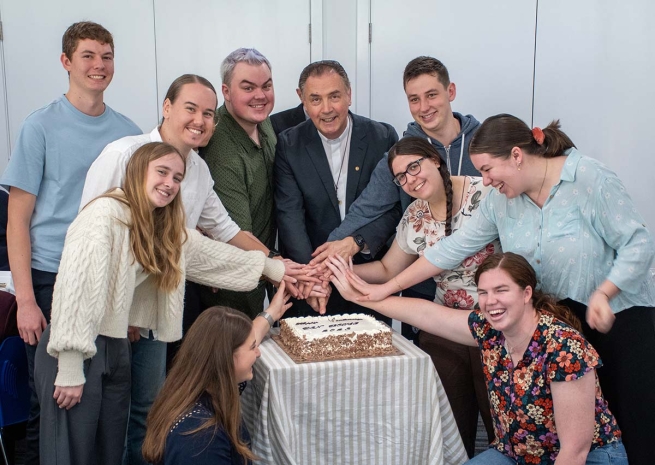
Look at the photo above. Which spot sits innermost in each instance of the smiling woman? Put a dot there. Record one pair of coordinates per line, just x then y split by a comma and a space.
124, 263
196, 418
540, 372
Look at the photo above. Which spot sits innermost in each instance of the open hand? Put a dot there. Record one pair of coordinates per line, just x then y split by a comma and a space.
280, 302
340, 270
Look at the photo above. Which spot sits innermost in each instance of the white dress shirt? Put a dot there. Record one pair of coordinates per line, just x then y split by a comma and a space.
202, 206
338, 153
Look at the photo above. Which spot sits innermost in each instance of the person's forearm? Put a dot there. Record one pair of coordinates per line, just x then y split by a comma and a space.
261, 327
436, 319
373, 272
19, 249
571, 457
243, 241
416, 273
608, 288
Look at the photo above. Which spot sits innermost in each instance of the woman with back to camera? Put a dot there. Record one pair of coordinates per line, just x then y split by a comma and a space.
540, 372
196, 418
443, 204
572, 218
124, 263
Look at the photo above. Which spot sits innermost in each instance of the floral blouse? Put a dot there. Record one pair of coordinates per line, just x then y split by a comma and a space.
418, 229
521, 400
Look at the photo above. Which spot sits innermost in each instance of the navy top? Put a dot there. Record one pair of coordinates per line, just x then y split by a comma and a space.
206, 447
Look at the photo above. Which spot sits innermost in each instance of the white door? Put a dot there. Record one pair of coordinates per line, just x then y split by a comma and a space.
32, 47
594, 71
488, 48
195, 36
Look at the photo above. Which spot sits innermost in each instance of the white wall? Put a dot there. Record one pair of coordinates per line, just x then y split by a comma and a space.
32, 47
594, 71
277, 28
490, 61
594, 60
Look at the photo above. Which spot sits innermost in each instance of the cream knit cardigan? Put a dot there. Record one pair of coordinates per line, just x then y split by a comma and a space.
100, 288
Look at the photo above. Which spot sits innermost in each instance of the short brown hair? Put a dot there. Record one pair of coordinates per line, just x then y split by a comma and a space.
84, 30
319, 68
426, 65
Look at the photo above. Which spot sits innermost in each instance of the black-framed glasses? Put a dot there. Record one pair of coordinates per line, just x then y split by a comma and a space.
413, 168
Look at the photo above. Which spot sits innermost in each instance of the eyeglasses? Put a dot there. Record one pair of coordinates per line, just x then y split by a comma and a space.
413, 168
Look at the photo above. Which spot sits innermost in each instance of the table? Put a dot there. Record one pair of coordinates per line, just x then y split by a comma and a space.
385, 410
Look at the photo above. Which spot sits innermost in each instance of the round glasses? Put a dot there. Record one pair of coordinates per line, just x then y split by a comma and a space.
413, 168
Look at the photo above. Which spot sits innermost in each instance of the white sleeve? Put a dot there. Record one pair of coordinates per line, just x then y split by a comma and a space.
107, 172
215, 220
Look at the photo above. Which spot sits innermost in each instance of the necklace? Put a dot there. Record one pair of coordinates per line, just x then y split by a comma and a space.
343, 158
542, 182
512, 349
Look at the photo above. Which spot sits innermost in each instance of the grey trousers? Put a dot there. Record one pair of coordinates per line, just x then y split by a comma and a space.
92, 432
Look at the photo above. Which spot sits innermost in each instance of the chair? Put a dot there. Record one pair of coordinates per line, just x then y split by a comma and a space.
14, 387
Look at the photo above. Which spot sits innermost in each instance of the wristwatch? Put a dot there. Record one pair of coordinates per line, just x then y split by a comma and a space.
273, 253
267, 317
359, 240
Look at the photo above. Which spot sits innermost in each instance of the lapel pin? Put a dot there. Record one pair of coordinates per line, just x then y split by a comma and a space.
356, 168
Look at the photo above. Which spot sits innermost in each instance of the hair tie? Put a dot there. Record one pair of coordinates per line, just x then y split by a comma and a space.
538, 135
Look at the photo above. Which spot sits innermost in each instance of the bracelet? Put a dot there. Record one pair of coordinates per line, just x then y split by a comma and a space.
397, 284
604, 293
267, 316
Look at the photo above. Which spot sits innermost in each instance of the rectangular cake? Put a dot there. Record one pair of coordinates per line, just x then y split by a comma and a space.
329, 337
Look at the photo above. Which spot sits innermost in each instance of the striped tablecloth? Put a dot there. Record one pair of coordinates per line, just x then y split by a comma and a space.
386, 410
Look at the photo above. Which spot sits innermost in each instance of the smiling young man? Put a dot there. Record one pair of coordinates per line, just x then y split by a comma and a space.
55, 147
322, 166
240, 158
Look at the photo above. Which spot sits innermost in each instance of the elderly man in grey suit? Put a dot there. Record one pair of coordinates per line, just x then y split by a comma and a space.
321, 167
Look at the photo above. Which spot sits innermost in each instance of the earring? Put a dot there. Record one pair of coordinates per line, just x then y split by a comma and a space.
518, 166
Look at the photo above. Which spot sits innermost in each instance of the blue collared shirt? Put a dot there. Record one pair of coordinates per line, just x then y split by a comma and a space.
587, 231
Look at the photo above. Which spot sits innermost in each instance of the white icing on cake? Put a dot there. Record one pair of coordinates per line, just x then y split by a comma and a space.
312, 328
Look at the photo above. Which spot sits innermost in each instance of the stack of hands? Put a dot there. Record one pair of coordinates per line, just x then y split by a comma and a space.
320, 290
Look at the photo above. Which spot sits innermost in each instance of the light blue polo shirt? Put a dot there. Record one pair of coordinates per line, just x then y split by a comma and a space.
56, 146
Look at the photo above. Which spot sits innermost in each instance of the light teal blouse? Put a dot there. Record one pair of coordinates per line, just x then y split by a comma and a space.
587, 231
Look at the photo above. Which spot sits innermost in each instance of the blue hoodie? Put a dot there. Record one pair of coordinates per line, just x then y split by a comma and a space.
456, 154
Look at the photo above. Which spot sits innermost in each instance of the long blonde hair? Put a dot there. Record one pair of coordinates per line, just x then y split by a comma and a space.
156, 236
203, 366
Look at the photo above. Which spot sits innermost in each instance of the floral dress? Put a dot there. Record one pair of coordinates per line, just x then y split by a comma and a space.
418, 229
521, 399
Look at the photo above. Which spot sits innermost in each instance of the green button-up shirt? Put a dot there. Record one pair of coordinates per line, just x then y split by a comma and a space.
243, 174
